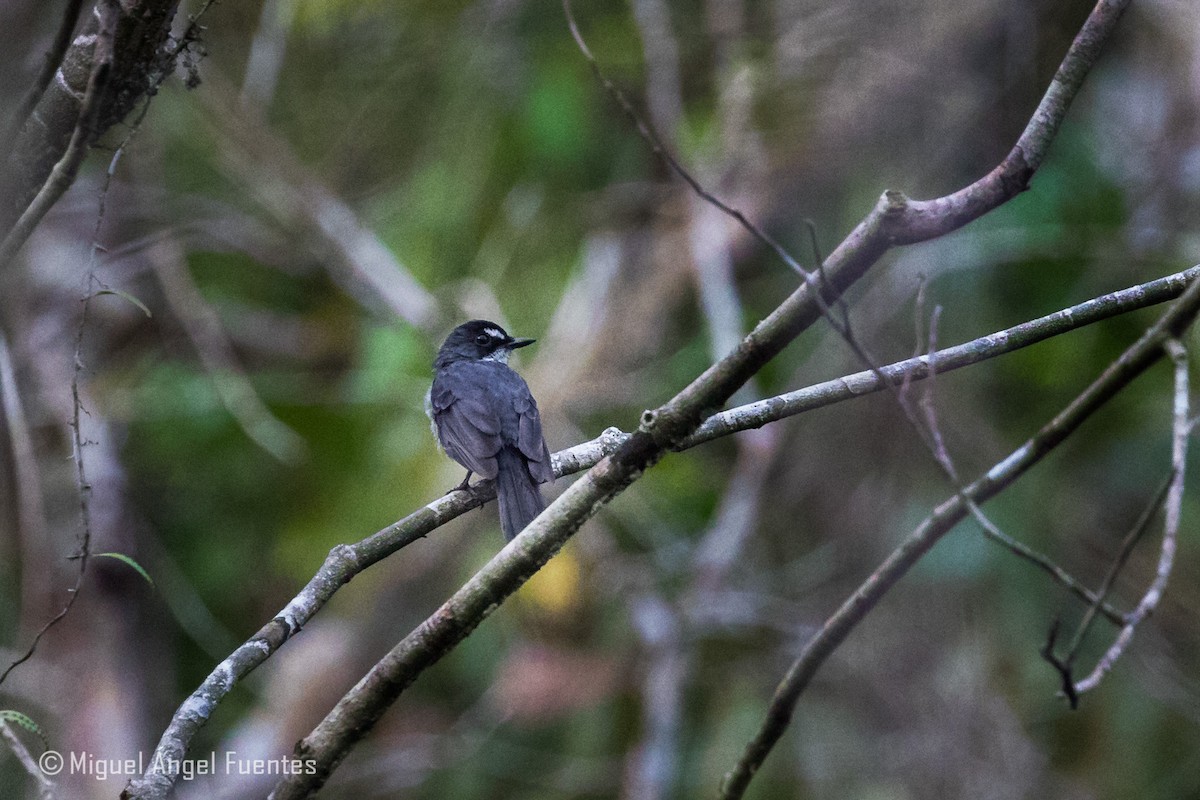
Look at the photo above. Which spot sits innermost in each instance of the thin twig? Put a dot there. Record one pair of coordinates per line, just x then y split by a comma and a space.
1130, 541
1061, 666
84, 490
1174, 508
990, 529
56, 184
762, 412
1065, 665
817, 283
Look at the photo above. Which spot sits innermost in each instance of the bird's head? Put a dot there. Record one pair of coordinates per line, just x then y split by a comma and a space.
478, 340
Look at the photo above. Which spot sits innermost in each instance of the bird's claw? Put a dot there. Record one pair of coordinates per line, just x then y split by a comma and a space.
465, 486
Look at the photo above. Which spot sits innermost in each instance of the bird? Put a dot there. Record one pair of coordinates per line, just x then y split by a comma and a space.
485, 418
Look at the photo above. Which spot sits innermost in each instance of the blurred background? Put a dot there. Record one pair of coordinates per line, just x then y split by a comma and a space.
347, 181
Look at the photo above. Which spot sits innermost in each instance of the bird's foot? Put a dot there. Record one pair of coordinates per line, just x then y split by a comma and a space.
464, 486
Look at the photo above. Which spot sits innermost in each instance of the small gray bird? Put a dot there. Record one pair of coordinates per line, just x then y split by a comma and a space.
485, 418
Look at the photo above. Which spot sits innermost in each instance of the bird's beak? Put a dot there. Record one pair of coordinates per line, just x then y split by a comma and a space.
515, 343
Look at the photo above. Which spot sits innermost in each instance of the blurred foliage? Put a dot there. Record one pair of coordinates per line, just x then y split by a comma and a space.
473, 142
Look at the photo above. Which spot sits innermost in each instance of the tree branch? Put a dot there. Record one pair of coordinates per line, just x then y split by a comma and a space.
754, 415
1064, 665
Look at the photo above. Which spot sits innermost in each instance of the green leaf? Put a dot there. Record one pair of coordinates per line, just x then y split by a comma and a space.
8, 715
126, 559
127, 296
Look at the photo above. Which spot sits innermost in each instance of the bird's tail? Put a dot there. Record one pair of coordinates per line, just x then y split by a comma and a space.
520, 499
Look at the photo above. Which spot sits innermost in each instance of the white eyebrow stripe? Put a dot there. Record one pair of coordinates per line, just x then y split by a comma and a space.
495, 333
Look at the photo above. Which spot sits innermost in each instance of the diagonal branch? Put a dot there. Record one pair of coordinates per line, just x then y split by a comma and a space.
754, 415
1065, 665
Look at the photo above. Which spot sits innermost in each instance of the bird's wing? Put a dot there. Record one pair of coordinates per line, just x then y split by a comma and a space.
530, 440
468, 430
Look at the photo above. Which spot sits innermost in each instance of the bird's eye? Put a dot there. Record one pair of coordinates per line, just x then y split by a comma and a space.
482, 339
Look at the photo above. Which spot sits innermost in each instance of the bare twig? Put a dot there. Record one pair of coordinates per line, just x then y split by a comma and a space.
56, 184
1065, 665
85, 516
762, 412
1174, 508
1061, 666
1131, 539
990, 529
814, 282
